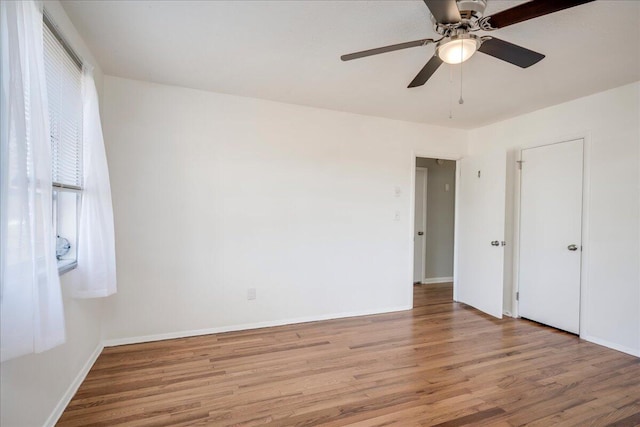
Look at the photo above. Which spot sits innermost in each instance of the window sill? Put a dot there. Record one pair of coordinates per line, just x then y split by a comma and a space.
65, 265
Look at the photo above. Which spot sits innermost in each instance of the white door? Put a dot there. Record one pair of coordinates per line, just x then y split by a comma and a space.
420, 224
550, 235
481, 222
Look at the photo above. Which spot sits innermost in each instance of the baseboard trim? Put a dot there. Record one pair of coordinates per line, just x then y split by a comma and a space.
73, 387
613, 346
246, 326
432, 280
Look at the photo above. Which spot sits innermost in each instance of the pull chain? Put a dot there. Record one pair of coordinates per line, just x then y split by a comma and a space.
451, 91
461, 101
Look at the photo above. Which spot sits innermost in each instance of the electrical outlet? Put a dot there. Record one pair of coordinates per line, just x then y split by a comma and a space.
251, 293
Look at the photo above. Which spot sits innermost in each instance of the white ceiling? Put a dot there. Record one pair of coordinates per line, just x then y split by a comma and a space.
290, 51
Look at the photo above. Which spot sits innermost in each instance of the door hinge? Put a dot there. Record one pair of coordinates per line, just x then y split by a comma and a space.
519, 162
517, 296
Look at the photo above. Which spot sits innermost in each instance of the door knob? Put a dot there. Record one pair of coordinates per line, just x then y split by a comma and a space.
420, 233
495, 243
572, 247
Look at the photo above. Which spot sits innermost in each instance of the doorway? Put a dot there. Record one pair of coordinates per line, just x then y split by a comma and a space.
434, 223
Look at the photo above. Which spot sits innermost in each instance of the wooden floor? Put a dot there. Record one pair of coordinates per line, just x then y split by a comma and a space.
442, 363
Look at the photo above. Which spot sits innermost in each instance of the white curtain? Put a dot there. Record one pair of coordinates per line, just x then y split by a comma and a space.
31, 312
96, 245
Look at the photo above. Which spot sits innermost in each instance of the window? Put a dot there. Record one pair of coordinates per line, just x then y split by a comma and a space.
63, 71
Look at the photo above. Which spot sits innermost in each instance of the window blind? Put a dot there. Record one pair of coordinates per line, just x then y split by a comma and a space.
64, 93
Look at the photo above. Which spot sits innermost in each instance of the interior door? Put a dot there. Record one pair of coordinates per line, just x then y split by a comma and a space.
550, 234
481, 223
420, 223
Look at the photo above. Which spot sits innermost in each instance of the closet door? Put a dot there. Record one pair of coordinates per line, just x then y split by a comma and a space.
550, 234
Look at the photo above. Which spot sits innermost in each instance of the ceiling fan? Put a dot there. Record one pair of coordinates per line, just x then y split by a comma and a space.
457, 20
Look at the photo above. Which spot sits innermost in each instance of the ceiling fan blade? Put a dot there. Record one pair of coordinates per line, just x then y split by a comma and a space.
426, 72
509, 52
526, 11
385, 49
445, 11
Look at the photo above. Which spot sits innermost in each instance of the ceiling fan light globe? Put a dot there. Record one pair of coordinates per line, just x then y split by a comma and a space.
458, 50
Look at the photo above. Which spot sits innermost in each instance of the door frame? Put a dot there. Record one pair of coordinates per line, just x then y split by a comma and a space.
424, 222
586, 190
431, 154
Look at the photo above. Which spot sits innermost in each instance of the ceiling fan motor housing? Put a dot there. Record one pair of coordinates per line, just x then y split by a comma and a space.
470, 12
471, 9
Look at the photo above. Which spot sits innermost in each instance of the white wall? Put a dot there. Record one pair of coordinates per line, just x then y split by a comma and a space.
440, 217
215, 194
610, 122
35, 388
